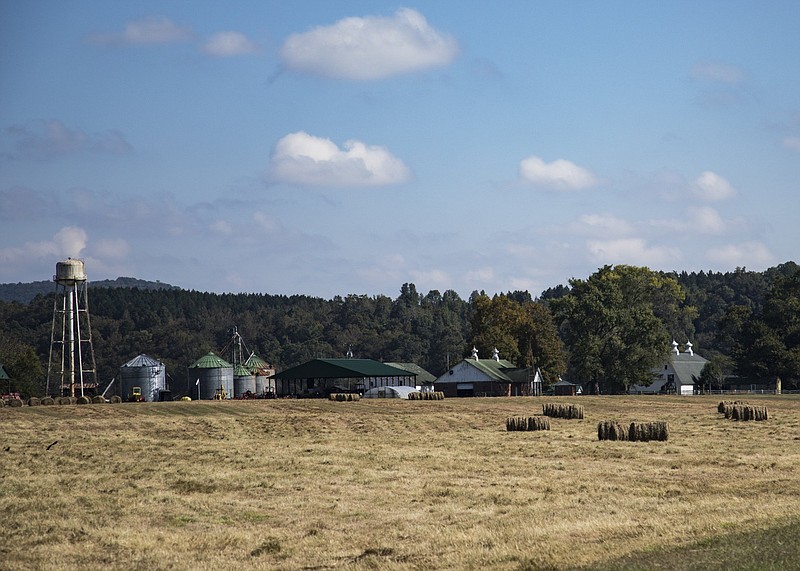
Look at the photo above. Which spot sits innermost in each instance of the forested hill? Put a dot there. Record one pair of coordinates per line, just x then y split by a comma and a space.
25, 292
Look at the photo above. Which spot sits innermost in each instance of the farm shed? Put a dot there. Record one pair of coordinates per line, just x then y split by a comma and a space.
489, 377
677, 375
565, 388
320, 377
389, 392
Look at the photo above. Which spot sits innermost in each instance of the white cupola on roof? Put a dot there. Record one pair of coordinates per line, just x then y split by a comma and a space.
689, 348
475, 353
496, 354
675, 347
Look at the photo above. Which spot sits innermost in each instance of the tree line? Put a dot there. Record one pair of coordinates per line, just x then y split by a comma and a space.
608, 330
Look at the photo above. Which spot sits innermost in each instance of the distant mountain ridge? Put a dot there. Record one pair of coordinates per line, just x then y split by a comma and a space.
25, 292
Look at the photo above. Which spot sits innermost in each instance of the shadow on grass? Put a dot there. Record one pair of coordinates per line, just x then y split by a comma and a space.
776, 548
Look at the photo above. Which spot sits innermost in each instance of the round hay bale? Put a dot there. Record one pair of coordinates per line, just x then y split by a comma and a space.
116, 399
34, 401
48, 401
83, 400
2, 403
64, 400
98, 399
15, 403
185, 399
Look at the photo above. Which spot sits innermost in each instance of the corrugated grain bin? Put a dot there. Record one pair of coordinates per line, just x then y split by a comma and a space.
208, 377
243, 381
262, 370
144, 372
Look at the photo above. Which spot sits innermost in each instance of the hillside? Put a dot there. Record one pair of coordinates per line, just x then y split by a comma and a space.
25, 292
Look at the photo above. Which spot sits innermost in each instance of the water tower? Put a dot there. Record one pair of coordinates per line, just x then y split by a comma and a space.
71, 334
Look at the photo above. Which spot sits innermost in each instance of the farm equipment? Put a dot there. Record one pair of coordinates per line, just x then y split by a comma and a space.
136, 395
220, 394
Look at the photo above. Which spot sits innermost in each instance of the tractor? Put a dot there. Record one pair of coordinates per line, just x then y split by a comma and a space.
136, 395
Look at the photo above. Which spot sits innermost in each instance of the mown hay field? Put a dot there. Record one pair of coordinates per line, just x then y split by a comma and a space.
392, 484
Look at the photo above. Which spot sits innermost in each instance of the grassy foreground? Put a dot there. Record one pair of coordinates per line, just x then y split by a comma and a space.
383, 484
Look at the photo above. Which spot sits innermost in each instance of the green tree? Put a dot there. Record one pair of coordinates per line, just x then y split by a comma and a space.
539, 343
711, 377
23, 366
767, 342
524, 333
610, 325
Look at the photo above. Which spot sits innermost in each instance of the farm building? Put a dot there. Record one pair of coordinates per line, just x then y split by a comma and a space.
320, 377
424, 380
489, 377
386, 392
677, 375
565, 388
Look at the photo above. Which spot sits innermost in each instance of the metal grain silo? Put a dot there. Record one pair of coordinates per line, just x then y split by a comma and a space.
243, 381
146, 373
210, 376
262, 371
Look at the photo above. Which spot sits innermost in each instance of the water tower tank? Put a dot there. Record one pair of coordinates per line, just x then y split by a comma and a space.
70, 272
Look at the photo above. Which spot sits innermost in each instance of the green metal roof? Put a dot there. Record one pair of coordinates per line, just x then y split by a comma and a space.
257, 365
242, 371
498, 370
342, 369
423, 376
210, 361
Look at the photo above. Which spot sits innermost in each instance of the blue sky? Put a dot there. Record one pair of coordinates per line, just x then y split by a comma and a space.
328, 148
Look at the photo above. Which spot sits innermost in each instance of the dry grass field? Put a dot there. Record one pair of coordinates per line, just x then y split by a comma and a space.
387, 484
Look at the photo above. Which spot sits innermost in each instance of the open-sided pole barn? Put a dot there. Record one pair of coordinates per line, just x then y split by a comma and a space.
320, 377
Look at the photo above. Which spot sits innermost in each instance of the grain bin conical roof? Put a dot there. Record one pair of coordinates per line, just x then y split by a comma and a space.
242, 371
210, 361
142, 361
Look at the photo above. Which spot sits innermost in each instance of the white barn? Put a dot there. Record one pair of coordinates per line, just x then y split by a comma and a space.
677, 375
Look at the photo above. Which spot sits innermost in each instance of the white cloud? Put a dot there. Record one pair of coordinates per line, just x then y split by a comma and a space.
71, 241
68, 242
792, 143
373, 47
741, 255
558, 175
696, 220
601, 225
633, 251
148, 31
718, 72
302, 159
705, 220
711, 187
228, 44
44, 140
